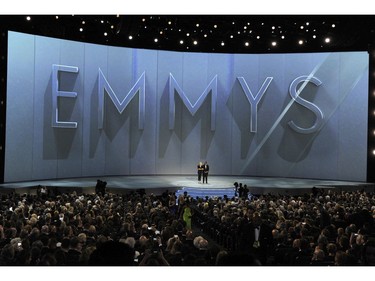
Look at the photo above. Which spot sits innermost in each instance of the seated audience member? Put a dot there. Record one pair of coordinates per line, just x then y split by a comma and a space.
74, 252
112, 253
318, 257
368, 256
239, 259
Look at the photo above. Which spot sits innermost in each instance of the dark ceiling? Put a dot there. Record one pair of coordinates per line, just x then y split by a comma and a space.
207, 33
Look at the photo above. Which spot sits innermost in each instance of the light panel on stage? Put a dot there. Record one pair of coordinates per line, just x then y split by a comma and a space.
268, 115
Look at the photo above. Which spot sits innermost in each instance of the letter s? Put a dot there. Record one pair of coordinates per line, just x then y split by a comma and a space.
314, 108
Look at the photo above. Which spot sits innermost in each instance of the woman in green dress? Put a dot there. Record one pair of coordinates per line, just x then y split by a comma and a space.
186, 216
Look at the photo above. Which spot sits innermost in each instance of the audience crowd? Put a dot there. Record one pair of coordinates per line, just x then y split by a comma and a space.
56, 229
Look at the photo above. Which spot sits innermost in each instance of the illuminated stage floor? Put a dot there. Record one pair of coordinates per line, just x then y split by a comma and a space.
217, 185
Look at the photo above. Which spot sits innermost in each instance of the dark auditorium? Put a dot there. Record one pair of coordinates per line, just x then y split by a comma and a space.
105, 117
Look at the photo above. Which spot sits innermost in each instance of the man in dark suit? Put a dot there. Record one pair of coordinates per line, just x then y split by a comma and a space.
206, 168
74, 253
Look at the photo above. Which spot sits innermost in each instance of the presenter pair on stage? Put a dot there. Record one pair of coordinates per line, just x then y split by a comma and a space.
203, 171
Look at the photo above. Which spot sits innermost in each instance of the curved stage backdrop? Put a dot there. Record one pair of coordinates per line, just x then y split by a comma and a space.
77, 110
